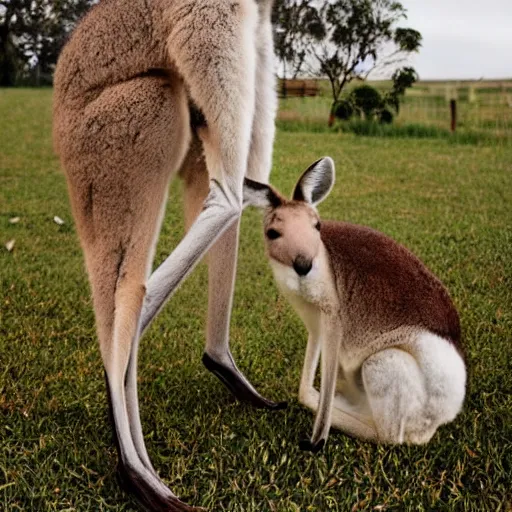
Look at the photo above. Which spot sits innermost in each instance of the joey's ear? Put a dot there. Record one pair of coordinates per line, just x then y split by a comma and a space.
316, 182
260, 195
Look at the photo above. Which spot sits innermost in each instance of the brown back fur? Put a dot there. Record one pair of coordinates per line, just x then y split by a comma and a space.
382, 285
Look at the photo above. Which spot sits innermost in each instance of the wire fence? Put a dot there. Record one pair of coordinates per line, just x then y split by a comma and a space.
476, 108
480, 108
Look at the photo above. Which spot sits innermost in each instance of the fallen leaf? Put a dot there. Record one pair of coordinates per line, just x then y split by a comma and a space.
10, 245
470, 452
331, 482
58, 220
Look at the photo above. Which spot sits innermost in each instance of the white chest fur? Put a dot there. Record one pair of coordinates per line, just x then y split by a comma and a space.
314, 289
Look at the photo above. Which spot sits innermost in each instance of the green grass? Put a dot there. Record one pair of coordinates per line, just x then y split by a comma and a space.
419, 131
451, 204
394, 130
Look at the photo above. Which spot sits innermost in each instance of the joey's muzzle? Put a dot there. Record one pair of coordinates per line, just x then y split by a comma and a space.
302, 265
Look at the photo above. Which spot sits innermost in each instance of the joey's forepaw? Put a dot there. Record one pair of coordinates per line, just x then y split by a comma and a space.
307, 446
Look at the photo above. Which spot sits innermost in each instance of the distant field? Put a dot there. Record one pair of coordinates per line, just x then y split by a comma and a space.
484, 106
503, 85
449, 203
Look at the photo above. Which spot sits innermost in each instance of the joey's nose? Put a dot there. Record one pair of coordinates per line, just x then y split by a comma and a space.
302, 265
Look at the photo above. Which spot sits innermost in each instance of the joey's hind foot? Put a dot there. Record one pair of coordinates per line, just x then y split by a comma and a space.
234, 380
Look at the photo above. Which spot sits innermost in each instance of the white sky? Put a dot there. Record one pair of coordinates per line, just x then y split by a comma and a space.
462, 38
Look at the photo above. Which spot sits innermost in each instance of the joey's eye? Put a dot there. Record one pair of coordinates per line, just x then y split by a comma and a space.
317, 225
272, 234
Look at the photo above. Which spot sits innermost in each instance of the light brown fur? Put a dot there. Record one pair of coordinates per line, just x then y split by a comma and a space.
124, 86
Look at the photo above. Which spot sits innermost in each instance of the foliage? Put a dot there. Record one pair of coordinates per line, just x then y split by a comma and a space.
383, 129
342, 39
344, 109
448, 203
386, 116
367, 100
402, 80
295, 24
32, 33
363, 101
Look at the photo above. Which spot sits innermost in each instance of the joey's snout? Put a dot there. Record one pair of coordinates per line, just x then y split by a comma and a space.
292, 235
302, 265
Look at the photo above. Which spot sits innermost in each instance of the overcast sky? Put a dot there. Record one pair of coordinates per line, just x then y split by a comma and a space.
462, 38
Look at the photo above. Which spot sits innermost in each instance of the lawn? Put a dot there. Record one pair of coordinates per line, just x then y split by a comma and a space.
449, 203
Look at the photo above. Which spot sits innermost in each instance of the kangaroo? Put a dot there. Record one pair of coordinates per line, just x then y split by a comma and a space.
392, 368
145, 90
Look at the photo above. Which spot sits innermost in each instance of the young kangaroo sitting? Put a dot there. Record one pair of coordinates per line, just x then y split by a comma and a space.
392, 369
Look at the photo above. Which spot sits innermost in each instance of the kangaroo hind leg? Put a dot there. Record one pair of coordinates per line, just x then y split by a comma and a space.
396, 393
135, 135
221, 81
218, 69
221, 273
222, 257
263, 127
444, 373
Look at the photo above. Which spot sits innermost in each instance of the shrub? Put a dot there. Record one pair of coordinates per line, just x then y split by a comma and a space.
344, 110
363, 100
385, 116
367, 100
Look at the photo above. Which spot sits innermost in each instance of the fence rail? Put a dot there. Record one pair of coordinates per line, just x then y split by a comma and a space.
298, 88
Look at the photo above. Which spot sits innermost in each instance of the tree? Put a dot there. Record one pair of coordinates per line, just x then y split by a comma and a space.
9, 56
295, 24
402, 80
346, 39
33, 32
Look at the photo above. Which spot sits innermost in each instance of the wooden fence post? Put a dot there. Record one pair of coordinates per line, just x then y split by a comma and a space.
453, 115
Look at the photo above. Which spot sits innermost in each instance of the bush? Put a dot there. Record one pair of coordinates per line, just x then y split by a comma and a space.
344, 110
385, 116
363, 100
367, 100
